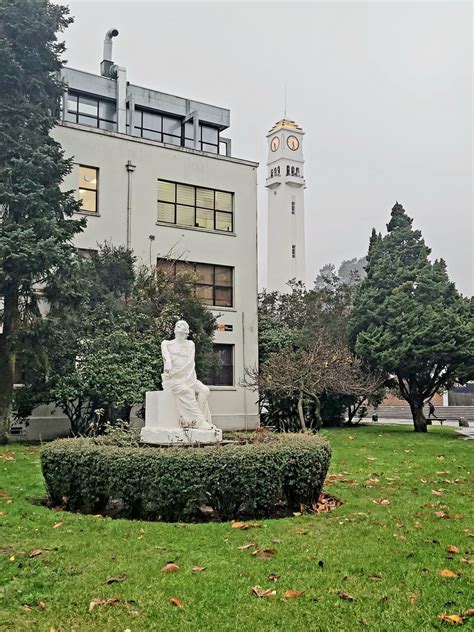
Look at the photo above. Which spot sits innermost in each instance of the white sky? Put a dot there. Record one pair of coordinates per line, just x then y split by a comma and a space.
382, 90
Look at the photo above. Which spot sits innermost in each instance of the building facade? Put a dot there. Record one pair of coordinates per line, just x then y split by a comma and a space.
285, 184
154, 174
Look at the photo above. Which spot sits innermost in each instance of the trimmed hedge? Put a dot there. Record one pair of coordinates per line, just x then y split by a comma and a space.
171, 484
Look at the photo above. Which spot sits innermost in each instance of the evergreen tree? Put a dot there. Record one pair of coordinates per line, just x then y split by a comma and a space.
408, 318
35, 225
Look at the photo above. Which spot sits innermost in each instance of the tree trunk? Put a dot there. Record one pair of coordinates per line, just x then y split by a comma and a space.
419, 419
317, 413
7, 360
301, 412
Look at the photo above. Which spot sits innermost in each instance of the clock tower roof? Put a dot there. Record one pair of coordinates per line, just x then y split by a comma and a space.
285, 123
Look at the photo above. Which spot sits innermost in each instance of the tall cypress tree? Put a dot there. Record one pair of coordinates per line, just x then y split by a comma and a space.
408, 318
36, 228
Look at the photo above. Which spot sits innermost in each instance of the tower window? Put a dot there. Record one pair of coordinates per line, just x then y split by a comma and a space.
297, 171
278, 170
293, 207
293, 251
271, 173
292, 171
287, 170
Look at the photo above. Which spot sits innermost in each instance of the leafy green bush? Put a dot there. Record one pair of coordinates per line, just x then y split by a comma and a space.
171, 484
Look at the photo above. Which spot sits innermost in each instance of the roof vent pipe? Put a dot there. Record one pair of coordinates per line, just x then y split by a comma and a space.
107, 61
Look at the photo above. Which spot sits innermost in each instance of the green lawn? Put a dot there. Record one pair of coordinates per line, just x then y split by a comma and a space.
388, 557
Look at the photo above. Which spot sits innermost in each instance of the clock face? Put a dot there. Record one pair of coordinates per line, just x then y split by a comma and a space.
275, 143
293, 143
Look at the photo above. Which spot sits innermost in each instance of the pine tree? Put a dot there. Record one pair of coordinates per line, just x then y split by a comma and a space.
409, 320
35, 225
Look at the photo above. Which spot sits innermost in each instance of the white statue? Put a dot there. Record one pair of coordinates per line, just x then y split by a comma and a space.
180, 377
179, 414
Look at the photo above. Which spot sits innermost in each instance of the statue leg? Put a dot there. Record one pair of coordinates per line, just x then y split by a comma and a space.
188, 407
202, 395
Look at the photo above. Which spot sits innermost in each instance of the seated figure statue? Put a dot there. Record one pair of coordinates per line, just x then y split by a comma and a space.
179, 376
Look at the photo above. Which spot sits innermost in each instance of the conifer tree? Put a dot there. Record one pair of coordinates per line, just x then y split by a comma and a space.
409, 320
36, 228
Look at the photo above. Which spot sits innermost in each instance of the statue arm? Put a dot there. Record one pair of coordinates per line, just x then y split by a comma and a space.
167, 365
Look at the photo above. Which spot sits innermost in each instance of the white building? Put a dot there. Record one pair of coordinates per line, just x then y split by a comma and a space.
285, 184
155, 174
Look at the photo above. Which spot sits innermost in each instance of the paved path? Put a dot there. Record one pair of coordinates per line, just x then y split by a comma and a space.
467, 433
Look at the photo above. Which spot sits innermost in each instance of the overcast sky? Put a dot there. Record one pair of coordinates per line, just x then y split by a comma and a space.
382, 90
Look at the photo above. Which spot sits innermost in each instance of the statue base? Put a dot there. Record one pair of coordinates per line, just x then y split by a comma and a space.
183, 436
162, 426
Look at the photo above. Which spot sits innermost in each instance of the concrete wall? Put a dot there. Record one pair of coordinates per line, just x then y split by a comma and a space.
232, 407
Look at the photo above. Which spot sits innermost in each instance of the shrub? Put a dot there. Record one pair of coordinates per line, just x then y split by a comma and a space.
172, 484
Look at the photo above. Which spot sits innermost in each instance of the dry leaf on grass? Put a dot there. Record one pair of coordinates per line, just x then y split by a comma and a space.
263, 592
265, 554
249, 545
198, 569
174, 601
115, 579
245, 525
41, 605
37, 552
450, 618
170, 568
292, 594
58, 524
273, 577
467, 561
375, 578
344, 595
437, 492
326, 503
382, 501
371, 458
452, 549
446, 572
100, 601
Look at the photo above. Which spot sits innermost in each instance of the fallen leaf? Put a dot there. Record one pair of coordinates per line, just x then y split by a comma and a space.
326, 503
375, 578
446, 572
58, 524
291, 594
382, 501
350, 437
249, 545
245, 525
265, 554
452, 549
466, 561
437, 492
42, 604
262, 592
469, 613
37, 552
115, 579
198, 569
343, 595
174, 601
273, 577
413, 597
440, 457
27, 607
170, 568
450, 618
100, 601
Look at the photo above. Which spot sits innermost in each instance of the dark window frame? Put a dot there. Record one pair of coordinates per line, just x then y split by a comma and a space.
213, 379
158, 113
215, 286
196, 207
95, 191
73, 94
200, 140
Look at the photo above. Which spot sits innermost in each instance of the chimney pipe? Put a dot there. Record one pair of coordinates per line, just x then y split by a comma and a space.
107, 61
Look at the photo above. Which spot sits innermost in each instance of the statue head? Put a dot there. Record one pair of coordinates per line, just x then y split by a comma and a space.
181, 329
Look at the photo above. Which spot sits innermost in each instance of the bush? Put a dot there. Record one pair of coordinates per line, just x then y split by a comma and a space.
172, 484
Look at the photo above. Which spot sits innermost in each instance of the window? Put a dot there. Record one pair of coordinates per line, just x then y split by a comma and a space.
208, 137
223, 374
287, 170
91, 110
213, 284
88, 188
157, 126
293, 207
196, 207
293, 252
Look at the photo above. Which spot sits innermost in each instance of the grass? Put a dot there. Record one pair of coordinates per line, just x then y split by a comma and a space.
388, 557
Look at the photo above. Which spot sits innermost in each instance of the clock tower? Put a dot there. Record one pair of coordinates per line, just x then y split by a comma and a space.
285, 184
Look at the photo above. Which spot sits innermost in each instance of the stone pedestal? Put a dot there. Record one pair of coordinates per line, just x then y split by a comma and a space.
162, 425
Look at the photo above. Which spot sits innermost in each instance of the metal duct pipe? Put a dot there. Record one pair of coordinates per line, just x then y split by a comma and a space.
108, 44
